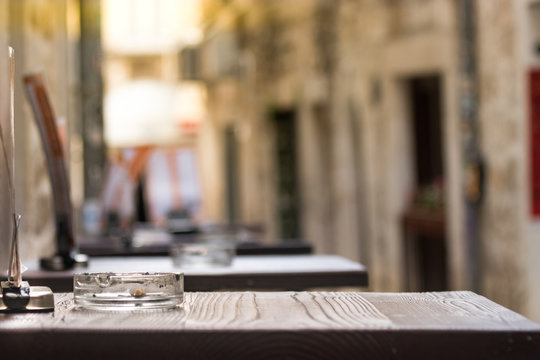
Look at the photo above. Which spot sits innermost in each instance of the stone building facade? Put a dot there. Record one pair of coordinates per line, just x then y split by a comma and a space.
344, 69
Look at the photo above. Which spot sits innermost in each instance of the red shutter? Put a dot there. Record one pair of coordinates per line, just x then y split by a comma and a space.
534, 90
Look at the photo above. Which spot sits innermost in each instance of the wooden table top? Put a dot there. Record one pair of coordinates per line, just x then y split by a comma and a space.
262, 272
152, 242
277, 325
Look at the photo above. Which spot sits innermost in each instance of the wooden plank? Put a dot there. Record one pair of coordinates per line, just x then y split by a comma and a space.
264, 272
258, 325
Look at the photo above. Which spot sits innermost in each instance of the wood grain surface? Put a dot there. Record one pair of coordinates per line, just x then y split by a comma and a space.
281, 325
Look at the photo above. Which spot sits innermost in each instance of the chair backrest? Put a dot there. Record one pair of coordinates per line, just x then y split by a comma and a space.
54, 153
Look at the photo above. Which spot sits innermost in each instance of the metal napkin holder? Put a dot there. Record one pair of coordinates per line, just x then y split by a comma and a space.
18, 295
26, 298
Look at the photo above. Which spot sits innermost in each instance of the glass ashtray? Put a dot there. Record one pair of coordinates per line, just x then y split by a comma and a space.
203, 254
128, 291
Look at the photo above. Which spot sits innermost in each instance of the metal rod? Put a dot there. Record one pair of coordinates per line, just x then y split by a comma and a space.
12, 125
14, 269
10, 167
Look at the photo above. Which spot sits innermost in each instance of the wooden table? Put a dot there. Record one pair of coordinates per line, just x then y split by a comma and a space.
279, 325
112, 249
159, 244
262, 272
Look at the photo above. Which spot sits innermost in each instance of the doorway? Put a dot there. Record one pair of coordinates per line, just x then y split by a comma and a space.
287, 178
231, 175
424, 219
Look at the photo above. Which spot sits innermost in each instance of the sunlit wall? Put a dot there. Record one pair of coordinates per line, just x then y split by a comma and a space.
145, 100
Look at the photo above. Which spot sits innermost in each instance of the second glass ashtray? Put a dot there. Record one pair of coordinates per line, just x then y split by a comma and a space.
203, 254
128, 291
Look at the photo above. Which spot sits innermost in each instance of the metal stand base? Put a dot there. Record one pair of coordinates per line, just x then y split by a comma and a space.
25, 298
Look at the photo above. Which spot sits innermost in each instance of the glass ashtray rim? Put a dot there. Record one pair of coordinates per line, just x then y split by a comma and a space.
127, 275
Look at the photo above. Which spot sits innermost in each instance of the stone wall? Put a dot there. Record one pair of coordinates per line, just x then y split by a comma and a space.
38, 33
502, 129
342, 66
391, 44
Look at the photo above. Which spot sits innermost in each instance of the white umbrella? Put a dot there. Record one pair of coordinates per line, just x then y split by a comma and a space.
138, 113
149, 112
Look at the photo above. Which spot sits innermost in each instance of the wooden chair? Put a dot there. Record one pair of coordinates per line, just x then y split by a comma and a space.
54, 153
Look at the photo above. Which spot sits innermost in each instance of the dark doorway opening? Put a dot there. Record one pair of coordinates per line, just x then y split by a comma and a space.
425, 100
287, 178
424, 220
231, 174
